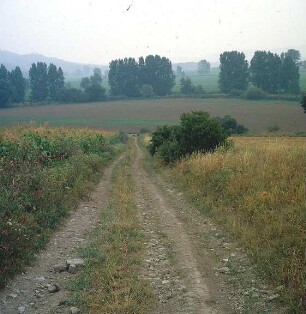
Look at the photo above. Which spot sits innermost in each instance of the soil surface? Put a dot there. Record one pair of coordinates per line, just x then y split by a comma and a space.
180, 285
190, 264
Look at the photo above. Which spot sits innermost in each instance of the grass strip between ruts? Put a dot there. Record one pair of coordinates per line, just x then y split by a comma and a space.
110, 282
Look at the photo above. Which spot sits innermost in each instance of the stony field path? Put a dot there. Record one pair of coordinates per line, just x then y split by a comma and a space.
178, 282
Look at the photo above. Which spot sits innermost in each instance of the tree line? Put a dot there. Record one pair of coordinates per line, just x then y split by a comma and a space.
152, 74
47, 83
12, 86
268, 71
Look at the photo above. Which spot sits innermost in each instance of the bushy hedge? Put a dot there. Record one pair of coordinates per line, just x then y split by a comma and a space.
92, 92
254, 93
231, 126
197, 132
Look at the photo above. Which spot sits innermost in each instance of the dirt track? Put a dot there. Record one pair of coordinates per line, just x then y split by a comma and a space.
185, 265
159, 217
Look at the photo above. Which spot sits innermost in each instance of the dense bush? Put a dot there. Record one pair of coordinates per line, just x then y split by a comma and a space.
254, 93
71, 95
197, 132
186, 86
12, 86
231, 126
147, 91
94, 92
199, 90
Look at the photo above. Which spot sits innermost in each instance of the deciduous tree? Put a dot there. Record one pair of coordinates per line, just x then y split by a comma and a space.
293, 54
85, 82
160, 74
123, 77
233, 71
96, 78
4, 74
179, 71
265, 71
94, 92
56, 81
203, 67
126, 76
38, 75
290, 76
6, 92
19, 85
186, 86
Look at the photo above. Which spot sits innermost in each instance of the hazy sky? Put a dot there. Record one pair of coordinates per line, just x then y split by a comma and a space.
97, 31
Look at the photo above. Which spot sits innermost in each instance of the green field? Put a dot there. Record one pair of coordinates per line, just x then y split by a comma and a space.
76, 80
210, 82
132, 115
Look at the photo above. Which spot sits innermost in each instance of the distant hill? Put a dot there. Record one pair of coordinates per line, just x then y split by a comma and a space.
71, 69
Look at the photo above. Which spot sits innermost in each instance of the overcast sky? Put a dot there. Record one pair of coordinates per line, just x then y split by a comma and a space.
97, 31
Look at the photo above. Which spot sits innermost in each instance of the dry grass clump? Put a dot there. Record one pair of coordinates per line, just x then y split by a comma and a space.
257, 190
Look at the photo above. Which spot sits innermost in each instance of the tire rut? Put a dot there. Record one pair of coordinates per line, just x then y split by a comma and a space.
179, 285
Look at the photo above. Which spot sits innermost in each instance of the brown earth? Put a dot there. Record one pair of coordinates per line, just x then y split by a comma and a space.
132, 115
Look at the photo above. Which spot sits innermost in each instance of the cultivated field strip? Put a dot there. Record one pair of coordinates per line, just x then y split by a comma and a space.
132, 115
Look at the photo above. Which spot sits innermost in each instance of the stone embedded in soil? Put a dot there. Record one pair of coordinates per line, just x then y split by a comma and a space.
273, 297
53, 288
224, 270
72, 269
60, 268
165, 282
74, 264
78, 262
74, 310
21, 309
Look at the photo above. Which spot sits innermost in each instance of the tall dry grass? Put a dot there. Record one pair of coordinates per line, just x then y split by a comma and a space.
257, 191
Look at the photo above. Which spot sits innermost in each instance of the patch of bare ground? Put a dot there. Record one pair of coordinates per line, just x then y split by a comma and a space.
209, 272
171, 263
43, 287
